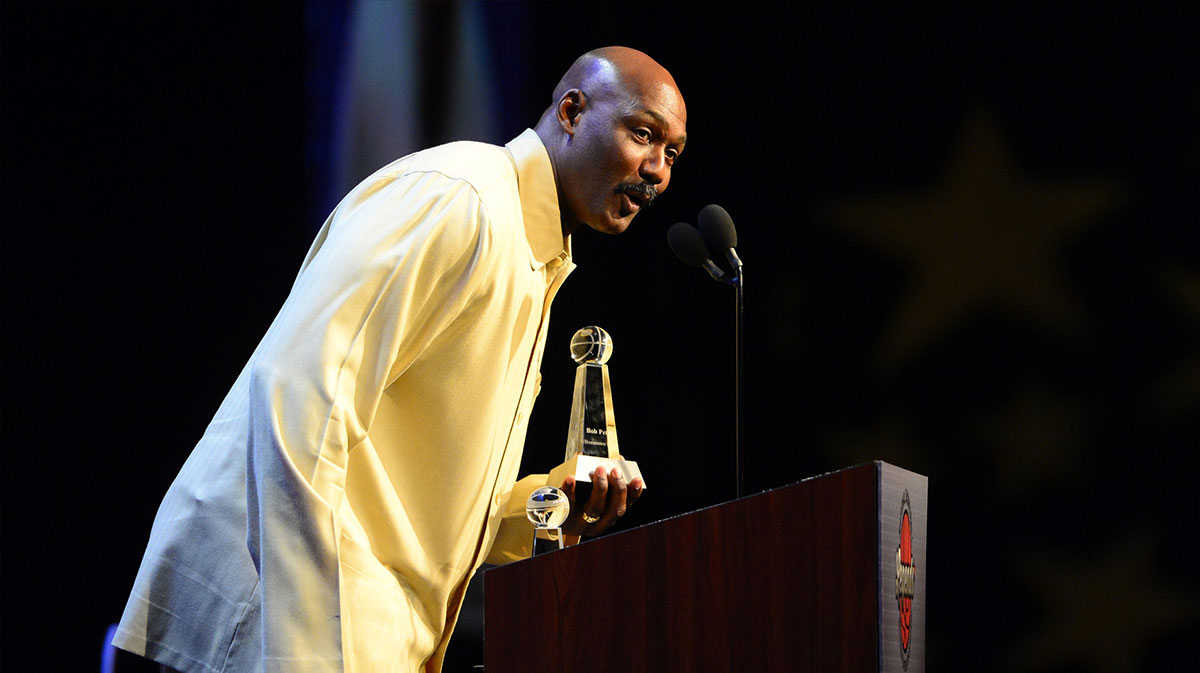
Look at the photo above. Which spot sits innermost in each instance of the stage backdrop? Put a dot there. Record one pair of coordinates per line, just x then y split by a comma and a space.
970, 247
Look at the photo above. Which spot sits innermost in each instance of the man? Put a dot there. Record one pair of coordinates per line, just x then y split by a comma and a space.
362, 466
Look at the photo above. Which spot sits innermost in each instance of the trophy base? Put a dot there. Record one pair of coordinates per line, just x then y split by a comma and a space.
581, 467
547, 540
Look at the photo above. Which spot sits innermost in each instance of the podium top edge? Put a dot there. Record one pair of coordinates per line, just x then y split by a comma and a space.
878, 466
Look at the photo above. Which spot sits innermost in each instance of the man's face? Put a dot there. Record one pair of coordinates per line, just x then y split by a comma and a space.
621, 155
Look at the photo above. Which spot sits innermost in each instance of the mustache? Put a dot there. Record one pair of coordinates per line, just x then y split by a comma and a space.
645, 191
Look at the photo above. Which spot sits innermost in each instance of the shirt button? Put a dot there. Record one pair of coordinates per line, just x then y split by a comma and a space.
499, 499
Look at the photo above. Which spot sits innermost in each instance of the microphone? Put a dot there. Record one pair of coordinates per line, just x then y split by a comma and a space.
719, 233
688, 246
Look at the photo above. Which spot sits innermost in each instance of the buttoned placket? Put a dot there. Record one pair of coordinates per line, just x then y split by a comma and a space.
557, 270
555, 273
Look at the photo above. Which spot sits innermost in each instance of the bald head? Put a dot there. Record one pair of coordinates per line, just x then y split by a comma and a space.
611, 72
613, 131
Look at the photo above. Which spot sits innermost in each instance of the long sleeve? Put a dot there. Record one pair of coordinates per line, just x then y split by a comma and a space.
514, 539
399, 260
363, 463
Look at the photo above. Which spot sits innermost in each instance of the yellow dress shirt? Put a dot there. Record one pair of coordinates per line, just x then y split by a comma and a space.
364, 463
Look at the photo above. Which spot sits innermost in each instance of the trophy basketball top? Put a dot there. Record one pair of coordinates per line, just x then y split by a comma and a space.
591, 344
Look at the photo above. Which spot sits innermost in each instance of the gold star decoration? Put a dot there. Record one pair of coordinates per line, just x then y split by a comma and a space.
1102, 613
1036, 439
985, 236
1180, 390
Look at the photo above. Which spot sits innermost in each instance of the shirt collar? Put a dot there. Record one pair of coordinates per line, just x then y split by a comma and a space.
539, 199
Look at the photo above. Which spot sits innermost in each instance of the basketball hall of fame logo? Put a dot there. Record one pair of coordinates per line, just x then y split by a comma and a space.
906, 574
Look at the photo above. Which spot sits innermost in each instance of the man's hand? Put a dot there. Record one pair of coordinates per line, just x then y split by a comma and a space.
609, 499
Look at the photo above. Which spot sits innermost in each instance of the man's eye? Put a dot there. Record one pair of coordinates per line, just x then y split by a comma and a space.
642, 134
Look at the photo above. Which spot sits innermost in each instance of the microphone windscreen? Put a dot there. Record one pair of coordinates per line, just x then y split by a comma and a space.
717, 227
686, 243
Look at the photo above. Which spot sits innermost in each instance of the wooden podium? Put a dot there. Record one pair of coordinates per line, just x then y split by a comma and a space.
815, 576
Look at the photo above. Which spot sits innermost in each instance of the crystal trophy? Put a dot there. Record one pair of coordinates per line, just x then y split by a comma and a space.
592, 437
547, 508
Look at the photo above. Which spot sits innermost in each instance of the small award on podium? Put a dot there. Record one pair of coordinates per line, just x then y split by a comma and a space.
547, 508
592, 438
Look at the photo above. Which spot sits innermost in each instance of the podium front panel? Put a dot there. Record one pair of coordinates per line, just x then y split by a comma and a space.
785, 580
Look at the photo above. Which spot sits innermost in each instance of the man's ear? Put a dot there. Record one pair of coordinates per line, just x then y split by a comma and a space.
570, 106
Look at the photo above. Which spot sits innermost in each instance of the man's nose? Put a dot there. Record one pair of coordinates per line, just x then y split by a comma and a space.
655, 169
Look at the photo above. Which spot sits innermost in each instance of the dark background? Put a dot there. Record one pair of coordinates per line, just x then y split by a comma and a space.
970, 242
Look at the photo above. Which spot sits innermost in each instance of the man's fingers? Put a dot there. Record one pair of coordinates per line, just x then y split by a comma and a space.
568, 489
594, 508
614, 507
635, 491
609, 499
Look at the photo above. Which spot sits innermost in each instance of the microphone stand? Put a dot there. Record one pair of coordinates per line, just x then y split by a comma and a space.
738, 345
687, 244
736, 282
